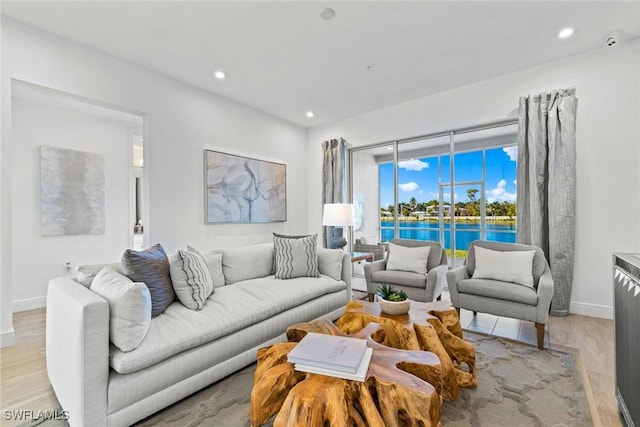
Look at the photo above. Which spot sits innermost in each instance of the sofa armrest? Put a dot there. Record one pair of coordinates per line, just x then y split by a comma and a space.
77, 349
436, 281
453, 277
347, 273
545, 295
369, 269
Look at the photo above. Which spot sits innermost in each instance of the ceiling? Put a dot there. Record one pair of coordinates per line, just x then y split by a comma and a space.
282, 58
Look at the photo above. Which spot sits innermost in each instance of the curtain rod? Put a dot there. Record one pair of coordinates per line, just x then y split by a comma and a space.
461, 130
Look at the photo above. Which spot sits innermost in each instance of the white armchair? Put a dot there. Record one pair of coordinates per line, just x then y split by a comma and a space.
504, 298
418, 287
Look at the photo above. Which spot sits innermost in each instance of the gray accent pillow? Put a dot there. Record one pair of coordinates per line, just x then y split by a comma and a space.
296, 257
151, 267
129, 307
330, 262
191, 278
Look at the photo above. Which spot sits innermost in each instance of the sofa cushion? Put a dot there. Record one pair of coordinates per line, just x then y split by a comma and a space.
151, 266
129, 307
213, 259
247, 263
191, 278
401, 278
296, 256
86, 273
509, 266
229, 309
496, 289
402, 258
330, 262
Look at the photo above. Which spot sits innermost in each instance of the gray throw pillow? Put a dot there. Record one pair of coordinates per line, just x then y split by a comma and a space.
296, 257
151, 267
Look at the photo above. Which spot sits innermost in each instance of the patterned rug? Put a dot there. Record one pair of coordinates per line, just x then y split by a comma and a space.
518, 385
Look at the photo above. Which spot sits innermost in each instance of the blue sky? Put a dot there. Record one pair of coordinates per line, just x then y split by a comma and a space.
419, 177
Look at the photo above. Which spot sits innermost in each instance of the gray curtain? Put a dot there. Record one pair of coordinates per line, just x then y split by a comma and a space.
333, 179
547, 184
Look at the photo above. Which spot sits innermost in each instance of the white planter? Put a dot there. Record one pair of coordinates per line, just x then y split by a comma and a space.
394, 308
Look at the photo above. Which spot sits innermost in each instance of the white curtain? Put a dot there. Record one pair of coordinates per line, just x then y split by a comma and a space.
547, 184
333, 180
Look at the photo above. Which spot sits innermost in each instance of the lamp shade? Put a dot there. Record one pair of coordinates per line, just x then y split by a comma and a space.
338, 214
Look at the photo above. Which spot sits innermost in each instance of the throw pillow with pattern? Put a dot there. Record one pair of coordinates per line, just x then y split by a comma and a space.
296, 256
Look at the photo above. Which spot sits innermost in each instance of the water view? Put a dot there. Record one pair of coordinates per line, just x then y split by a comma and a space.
465, 232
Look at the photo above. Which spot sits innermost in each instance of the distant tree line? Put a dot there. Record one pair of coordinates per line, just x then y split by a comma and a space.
470, 207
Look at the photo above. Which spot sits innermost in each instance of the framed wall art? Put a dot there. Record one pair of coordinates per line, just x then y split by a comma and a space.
72, 192
243, 190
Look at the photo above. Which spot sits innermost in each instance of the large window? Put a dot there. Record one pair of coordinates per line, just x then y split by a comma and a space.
416, 196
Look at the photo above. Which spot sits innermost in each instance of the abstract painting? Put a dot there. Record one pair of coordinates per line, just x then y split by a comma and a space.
244, 190
72, 192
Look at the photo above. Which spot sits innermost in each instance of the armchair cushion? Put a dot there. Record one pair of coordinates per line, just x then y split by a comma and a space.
402, 258
496, 289
400, 278
509, 266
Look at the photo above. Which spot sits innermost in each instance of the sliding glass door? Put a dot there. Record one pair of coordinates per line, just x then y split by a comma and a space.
422, 194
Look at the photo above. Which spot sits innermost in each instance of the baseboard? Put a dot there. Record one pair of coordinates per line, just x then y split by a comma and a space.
7, 338
591, 310
29, 304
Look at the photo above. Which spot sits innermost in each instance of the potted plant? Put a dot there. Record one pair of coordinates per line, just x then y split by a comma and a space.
393, 302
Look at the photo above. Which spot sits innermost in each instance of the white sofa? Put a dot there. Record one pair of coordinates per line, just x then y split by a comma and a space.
184, 350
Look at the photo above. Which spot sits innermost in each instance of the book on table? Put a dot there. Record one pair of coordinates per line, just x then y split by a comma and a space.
331, 352
359, 375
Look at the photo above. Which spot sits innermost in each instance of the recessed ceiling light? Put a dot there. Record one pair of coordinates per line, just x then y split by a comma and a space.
310, 114
327, 13
389, 147
565, 32
219, 74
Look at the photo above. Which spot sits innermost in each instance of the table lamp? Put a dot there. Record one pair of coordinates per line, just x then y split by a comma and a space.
338, 215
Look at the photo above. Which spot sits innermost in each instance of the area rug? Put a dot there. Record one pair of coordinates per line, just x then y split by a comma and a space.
518, 385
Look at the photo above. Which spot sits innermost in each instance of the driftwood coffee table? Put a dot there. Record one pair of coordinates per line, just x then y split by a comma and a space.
404, 385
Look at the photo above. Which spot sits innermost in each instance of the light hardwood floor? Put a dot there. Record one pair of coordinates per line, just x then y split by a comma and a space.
24, 384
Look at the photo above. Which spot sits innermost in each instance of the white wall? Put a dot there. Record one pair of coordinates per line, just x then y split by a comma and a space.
36, 124
180, 121
608, 148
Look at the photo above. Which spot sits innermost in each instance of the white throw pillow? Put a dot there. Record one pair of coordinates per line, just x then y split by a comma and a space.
214, 262
129, 307
86, 273
402, 258
191, 278
330, 262
508, 266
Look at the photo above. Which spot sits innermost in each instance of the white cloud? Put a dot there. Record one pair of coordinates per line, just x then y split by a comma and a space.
408, 186
413, 165
499, 194
512, 152
515, 182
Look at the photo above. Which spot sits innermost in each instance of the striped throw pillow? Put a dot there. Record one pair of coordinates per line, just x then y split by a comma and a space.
192, 280
296, 257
